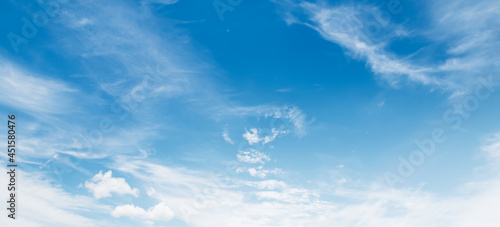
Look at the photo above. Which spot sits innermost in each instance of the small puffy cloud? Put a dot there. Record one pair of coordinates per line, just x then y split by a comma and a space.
160, 212
252, 156
102, 185
253, 137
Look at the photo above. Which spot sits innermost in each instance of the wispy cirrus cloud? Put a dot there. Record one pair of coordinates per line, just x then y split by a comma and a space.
225, 135
345, 25
469, 40
34, 94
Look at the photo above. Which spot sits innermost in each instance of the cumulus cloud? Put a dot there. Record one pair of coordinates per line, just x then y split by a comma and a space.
103, 185
252, 136
160, 212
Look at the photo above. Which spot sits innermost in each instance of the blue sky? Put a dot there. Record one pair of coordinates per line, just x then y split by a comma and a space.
253, 113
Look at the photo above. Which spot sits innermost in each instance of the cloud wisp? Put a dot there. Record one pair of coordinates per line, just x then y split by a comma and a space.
469, 48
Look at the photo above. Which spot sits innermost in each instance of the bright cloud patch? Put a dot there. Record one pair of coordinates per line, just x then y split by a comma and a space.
253, 137
259, 171
45, 204
103, 185
160, 212
34, 94
268, 184
252, 156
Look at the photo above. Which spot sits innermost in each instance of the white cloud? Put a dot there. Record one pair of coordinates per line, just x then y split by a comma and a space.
177, 181
197, 201
259, 171
252, 156
32, 93
252, 136
470, 40
345, 25
291, 195
272, 137
268, 184
160, 212
492, 151
41, 203
118, 34
102, 185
